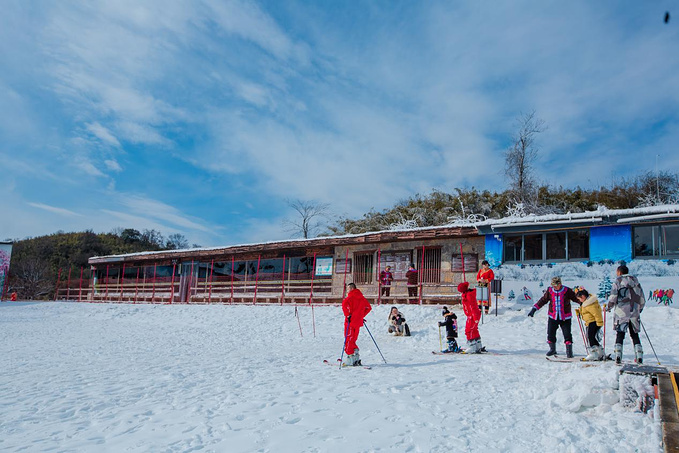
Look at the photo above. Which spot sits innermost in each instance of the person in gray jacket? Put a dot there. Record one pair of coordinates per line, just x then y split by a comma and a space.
628, 299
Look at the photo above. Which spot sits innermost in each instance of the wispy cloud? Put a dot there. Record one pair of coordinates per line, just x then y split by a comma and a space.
55, 210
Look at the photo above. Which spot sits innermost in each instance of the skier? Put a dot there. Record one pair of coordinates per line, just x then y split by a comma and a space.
355, 307
559, 298
590, 312
628, 299
386, 278
483, 278
397, 323
451, 330
471, 310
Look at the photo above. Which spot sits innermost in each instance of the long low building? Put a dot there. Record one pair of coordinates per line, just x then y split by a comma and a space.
317, 270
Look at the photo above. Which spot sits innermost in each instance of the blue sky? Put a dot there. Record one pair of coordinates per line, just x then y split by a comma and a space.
202, 117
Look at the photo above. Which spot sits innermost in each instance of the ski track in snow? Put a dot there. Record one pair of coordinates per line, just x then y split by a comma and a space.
106, 377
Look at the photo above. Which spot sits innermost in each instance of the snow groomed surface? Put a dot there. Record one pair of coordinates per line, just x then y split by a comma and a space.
99, 377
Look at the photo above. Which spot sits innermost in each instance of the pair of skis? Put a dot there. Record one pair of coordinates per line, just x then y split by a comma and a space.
327, 362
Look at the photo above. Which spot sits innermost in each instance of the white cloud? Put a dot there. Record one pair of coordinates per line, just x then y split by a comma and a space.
55, 210
103, 134
113, 165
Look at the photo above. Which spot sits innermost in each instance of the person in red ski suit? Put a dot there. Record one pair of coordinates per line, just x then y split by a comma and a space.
355, 307
473, 313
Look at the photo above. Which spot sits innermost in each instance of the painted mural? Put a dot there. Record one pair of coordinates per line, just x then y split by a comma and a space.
5, 255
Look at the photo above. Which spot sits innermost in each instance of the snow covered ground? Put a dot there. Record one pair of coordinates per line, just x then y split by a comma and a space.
98, 377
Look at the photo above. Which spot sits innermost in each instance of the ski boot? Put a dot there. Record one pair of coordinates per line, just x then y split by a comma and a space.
618, 353
480, 347
569, 350
452, 347
596, 353
638, 354
552, 349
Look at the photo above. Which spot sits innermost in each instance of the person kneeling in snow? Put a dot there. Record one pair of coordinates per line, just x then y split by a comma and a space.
471, 310
451, 330
355, 308
591, 314
559, 298
397, 323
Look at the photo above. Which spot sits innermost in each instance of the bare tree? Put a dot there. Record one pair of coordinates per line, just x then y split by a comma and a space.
521, 156
177, 241
308, 219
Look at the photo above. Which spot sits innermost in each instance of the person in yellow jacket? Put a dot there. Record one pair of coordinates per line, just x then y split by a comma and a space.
591, 314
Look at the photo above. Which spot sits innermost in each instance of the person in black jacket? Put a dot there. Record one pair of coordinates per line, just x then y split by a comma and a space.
450, 322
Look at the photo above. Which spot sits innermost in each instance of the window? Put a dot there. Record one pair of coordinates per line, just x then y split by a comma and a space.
552, 246
513, 248
556, 246
532, 247
656, 240
471, 263
363, 271
430, 271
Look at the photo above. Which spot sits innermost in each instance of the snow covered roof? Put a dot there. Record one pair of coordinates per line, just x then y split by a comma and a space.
457, 228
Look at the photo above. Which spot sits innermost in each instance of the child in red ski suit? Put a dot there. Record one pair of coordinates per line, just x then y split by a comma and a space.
473, 313
355, 308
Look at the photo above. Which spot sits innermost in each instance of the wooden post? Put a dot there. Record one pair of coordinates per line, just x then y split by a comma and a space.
106, 295
188, 298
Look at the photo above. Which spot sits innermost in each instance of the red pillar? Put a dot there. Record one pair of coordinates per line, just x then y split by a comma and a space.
153, 291
346, 266
136, 287
421, 274
68, 284
259, 261
233, 260
174, 268
379, 283
80, 286
313, 272
56, 291
212, 270
283, 282
106, 294
188, 298
121, 282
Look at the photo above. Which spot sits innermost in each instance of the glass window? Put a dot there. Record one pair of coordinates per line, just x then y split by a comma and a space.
578, 244
532, 244
670, 236
512, 248
645, 241
556, 246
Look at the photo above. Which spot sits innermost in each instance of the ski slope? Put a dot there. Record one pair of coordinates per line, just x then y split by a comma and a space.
148, 378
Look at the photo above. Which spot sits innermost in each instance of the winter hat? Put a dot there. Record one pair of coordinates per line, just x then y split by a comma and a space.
556, 281
463, 287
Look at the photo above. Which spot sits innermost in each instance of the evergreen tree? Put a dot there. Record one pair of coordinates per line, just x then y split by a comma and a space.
511, 295
605, 288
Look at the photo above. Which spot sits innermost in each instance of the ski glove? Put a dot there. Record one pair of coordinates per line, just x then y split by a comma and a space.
532, 312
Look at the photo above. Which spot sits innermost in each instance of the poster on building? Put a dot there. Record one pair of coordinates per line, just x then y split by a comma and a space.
398, 261
324, 266
5, 255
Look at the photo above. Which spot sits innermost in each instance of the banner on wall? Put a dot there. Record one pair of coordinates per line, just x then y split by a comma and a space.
324, 266
5, 255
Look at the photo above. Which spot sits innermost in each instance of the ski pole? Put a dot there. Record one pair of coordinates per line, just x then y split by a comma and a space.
582, 331
649, 341
440, 343
371, 336
604, 334
298, 322
346, 334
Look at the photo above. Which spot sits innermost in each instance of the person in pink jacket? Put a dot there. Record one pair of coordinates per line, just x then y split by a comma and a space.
473, 313
355, 307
